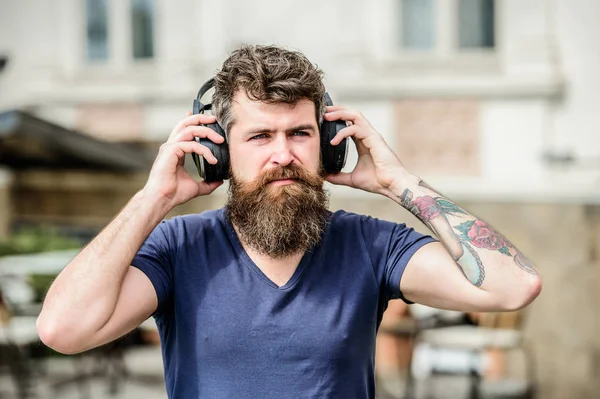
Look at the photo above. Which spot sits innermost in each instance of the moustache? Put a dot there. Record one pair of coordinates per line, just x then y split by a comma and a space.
292, 172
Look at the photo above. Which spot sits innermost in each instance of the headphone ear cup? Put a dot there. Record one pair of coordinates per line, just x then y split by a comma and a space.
333, 157
207, 171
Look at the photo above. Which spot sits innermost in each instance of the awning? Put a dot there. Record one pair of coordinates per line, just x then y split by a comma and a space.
28, 142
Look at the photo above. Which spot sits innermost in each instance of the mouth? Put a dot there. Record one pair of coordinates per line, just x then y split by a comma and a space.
282, 182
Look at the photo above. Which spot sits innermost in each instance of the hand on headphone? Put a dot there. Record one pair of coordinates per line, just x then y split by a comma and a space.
168, 179
377, 167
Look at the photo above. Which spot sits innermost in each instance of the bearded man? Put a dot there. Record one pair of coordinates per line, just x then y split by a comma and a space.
274, 295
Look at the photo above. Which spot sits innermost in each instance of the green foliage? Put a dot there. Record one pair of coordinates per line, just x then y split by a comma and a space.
35, 240
32, 240
40, 283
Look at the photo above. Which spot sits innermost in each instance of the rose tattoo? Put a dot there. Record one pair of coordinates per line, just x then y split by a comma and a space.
483, 236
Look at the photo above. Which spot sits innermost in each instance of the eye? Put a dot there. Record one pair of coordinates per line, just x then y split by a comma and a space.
301, 133
259, 136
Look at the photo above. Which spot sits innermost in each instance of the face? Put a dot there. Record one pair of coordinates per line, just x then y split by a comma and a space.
266, 136
276, 197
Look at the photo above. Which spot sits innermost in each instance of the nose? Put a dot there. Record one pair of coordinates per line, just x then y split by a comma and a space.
282, 154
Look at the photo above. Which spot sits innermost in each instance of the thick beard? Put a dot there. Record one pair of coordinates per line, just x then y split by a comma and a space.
279, 221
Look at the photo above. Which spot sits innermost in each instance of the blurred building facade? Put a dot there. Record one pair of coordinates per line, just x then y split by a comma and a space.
491, 102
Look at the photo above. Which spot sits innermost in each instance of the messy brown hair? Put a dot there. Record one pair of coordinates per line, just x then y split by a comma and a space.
269, 74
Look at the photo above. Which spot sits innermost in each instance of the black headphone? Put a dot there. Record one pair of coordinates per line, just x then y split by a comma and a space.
332, 157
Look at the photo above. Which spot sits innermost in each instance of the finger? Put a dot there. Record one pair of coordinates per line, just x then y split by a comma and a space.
190, 132
193, 120
344, 114
196, 119
207, 188
331, 108
189, 147
341, 179
353, 130
189, 113
361, 149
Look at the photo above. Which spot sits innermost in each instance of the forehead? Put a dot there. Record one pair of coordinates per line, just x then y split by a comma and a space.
250, 114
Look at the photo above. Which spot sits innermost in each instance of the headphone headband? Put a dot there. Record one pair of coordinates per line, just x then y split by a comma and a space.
209, 84
328, 99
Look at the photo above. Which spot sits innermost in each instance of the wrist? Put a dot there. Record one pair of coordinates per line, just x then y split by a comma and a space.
154, 205
404, 180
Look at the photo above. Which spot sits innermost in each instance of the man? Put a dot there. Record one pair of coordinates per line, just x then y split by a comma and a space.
274, 296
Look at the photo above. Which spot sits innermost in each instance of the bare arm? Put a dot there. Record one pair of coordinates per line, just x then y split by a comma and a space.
473, 268
98, 296
82, 299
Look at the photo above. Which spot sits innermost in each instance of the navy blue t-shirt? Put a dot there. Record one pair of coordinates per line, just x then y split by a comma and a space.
227, 331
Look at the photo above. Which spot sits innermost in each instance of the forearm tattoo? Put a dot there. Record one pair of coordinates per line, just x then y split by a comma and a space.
470, 234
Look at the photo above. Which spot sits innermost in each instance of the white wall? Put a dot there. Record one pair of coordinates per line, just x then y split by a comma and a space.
577, 118
524, 108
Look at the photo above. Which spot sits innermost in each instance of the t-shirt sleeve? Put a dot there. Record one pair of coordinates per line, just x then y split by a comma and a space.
155, 259
391, 245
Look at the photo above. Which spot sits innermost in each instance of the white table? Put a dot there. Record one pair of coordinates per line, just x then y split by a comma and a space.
51, 262
20, 331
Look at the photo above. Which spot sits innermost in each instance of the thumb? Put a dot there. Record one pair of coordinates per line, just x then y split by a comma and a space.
342, 179
205, 188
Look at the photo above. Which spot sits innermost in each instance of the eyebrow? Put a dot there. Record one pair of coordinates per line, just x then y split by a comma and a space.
262, 130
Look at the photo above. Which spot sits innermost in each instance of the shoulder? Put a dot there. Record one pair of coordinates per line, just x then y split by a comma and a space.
345, 220
191, 227
342, 217
194, 221
373, 230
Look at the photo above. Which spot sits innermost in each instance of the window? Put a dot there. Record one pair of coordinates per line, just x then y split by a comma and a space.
97, 30
418, 27
119, 32
447, 26
142, 23
476, 23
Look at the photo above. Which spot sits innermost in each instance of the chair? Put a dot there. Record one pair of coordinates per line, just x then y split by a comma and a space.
491, 331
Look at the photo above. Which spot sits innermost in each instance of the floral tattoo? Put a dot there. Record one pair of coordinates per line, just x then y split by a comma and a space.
481, 235
427, 207
473, 233
432, 211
